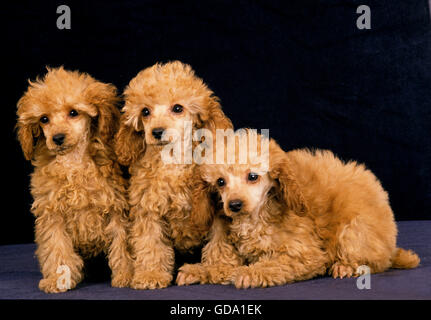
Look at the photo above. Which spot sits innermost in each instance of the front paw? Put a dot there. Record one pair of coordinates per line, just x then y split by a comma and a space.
220, 274
121, 279
190, 274
54, 285
151, 280
242, 277
258, 277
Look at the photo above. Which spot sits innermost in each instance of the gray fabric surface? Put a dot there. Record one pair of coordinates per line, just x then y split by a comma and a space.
19, 277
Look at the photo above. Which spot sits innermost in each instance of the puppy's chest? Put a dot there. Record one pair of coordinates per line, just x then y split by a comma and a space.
165, 188
70, 189
252, 238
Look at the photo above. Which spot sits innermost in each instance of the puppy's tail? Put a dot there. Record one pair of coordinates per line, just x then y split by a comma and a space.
405, 259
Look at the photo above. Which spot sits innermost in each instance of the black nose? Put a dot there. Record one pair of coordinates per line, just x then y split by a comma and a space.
58, 139
235, 205
157, 133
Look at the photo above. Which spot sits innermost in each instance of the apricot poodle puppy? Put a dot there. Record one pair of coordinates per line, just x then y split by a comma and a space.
66, 122
160, 100
309, 214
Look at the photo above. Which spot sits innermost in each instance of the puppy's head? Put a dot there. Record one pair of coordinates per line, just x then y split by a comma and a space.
161, 101
63, 109
242, 181
246, 185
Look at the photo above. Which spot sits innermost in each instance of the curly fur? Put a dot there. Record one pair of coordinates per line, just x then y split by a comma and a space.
161, 195
309, 215
79, 195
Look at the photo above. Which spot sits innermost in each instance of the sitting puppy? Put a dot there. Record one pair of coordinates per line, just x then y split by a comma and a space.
66, 122
161, 99
308, 214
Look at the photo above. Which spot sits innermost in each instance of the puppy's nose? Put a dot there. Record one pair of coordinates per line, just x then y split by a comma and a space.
235, 205
59, 139
157, 133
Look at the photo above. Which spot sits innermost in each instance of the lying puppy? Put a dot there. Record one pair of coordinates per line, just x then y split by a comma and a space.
161, 99
309, 214
66, 122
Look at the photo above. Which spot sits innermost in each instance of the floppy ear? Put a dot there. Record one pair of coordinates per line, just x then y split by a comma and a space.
129, 144
104, 98
216, 119
27, 127
281, 170
26, 136
203, 206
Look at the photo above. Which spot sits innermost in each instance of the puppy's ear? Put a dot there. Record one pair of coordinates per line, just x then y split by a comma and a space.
203, 206
26, 136
281, 170
129, 144
104, 97
215, 118
28, 130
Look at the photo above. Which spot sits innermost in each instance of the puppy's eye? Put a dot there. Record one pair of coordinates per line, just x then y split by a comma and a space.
252, 176
221, 182
145, 112
73, 113
177, 108
44, 119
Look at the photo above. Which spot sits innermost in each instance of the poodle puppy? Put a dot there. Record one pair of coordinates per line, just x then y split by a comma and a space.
161, 99
308, 214
66, 123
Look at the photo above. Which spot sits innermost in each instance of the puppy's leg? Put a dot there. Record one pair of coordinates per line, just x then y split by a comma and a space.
281, 269
363, 242
54, 250
118, 254
219, 260
153, 253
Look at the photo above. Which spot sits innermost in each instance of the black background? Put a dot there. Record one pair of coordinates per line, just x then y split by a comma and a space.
300, 68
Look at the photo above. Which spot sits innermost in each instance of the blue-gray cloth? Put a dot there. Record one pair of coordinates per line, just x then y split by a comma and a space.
19, 278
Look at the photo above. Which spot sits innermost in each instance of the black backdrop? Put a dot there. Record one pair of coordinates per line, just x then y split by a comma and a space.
300, 68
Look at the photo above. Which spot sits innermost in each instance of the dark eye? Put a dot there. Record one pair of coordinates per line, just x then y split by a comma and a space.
73, 113
177, 108
145, 112
252, 176
44, 119
220, 182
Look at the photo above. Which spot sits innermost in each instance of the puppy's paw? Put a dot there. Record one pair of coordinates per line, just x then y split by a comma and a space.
242, 277
220, 274
340, 270
51, 285
151, 280
121, 279
190, 274
257, 277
